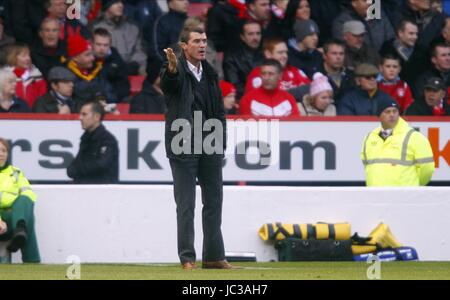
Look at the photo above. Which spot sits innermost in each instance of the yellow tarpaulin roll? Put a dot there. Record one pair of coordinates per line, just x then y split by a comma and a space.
363, 249
320, 231
383, 236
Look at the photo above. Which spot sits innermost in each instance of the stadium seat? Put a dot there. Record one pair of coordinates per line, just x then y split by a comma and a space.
135, 84
123, 108
198, 9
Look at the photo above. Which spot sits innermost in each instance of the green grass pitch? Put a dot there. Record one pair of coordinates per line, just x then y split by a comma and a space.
250, 271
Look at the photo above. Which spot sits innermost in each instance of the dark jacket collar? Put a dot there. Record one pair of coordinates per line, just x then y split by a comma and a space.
94, 134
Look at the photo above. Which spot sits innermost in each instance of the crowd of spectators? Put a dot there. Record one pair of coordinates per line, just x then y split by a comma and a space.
274, 57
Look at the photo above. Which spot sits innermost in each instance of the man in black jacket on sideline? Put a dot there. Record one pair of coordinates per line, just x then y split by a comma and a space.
191, 88
97, 161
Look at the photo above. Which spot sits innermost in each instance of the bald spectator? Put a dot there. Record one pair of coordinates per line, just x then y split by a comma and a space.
378, 30
357, 50
269, 100
126, 37
239, 62
57, 9
303, 53
48, 51
292, 77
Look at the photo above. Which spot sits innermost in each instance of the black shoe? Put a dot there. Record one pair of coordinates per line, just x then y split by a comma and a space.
18, 240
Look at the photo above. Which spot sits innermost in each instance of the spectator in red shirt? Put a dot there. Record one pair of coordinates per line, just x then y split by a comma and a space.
31, 84
292, 77
269, 100
390, 82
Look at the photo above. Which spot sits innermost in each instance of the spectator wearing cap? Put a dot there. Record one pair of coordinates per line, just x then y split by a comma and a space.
319, 101
167, 28
434, 101
292, 76
126, 37
378, 30
229, 97
113, 64
239, 62
31, 84
396, 154
269, 100
357, 50
390, 82
341, 79
440, 59
5, 41
58, 99
151, 99
9, 102
364, 99
48, 51
303, 53
89, 82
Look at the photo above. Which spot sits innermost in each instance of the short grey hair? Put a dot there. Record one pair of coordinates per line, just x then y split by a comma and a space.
5, 74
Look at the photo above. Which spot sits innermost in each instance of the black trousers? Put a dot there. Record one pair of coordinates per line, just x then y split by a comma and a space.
208, 170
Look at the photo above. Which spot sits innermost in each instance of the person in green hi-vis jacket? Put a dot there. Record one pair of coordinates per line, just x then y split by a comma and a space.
16, 209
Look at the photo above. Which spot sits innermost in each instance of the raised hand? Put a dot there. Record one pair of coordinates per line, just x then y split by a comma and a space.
172, 59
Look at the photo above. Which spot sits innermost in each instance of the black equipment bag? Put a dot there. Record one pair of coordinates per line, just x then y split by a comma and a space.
292, 249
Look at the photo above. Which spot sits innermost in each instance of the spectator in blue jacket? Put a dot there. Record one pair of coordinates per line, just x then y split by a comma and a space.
363, 100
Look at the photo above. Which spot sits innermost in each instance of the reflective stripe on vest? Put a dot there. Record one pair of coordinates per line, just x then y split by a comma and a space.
402, 161
24, 189
16, 175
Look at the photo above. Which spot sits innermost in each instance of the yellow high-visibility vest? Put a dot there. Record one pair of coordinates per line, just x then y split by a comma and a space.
404, 159
13, 184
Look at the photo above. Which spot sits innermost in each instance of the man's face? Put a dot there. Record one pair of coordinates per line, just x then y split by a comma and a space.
433, 97
49, 34
354, 41
101, 46
409, 35
335, 57
86, 59
252, 35
9, 85
3, 155
116, 10
270, 77
57, 9
303, 10
421, 5
89, 120
261, 9
367, 83
390, 69
389, 117
310, 42
446, 31
180, 6
442, 59
64, 88
195, 49
280, 53
361, 7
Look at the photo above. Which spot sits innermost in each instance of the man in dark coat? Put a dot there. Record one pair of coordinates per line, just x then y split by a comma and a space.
97, 161
433, 102
363, 100
193, 97
48, 51
113, 64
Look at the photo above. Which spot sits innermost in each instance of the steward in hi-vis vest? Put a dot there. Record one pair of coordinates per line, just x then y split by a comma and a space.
395, 154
